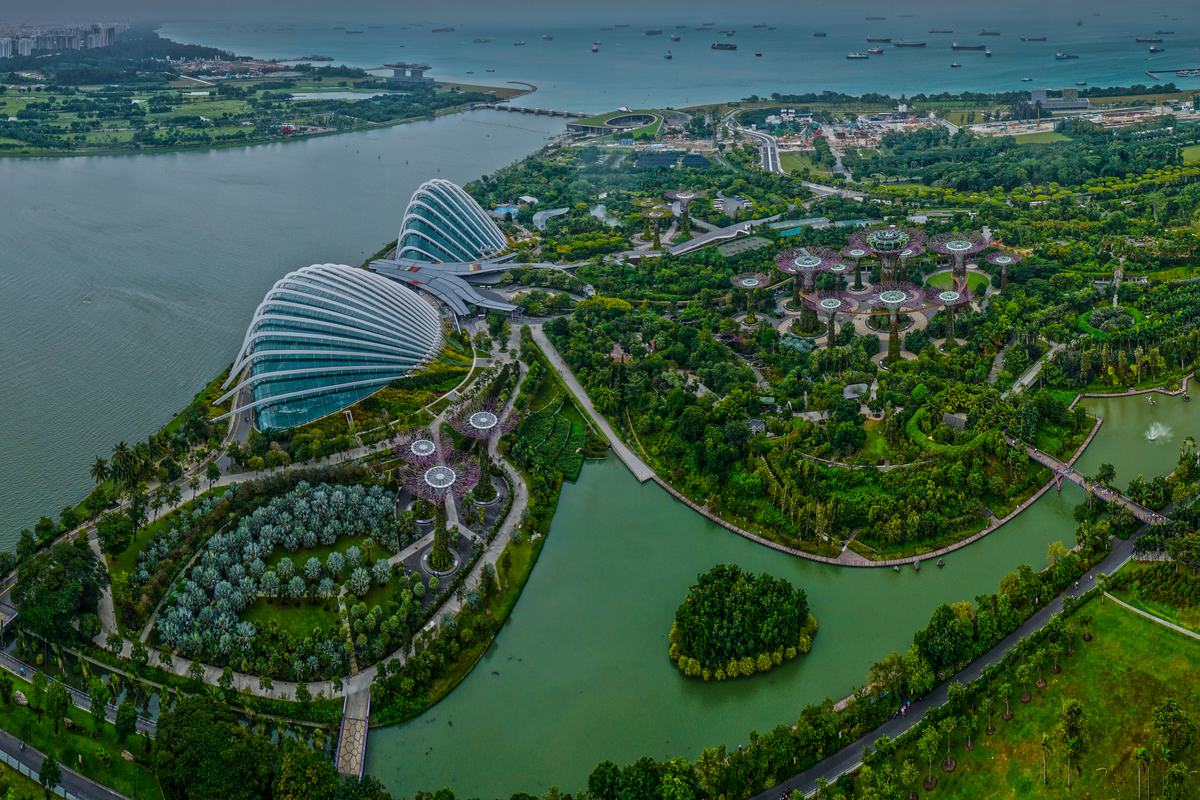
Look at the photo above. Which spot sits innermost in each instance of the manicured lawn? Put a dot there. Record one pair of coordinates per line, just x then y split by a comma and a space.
1191, 154
875, 449
322, 552
1041, 137
69, 746
1181, 611
977, 282
295, 617
22, 787
1119, 677
800, 162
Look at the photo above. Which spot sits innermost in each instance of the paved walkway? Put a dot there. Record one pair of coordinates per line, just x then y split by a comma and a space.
638, 467
352, 738
1031, 374
849, 758
1153, 618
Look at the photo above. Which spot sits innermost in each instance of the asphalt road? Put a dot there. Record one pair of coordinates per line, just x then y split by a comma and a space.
75, 784
850, 757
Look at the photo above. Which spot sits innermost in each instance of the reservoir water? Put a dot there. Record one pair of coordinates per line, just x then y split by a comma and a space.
126, 282
580, 673
629, 69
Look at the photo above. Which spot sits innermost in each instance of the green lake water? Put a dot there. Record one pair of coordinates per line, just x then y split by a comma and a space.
580, 673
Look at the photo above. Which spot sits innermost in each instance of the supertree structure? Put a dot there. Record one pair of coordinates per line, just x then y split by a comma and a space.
856, 253
804, 263
896, 297
654, 217
1004, 259
685, 198
958, 245
950, 300
483, 422
830, 304
750, 283
417, 447
454, 475
887, 244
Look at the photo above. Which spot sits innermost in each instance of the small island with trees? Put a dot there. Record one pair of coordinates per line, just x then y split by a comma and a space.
735, 624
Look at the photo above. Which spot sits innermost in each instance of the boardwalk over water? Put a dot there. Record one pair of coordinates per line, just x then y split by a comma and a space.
1066, 471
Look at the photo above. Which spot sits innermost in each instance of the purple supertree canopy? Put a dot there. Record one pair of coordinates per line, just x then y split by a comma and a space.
750, 281
886, 241
898, 295
482, 420
830, 302
1004, 259
958, 244
806, 260
855, 251
417, 447
454, 476
913, 250
948, 298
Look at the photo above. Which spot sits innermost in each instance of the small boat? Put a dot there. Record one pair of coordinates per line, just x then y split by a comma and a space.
518, 44
482, 40
857, 56
1157, 49
941, 562
1026, 80
1147, 40
1061, 56
760, 25
955, 65
884, 39
987, 51
623, 25
489, 70
875, 51
1081, 83
909, 44
758, 53
729, 32
1151, 401
724, 46
353, 33
1033, 38
986, 32
1164, 33
675, 37
820, 34
876, 19
547, 37
595, 47
668, 56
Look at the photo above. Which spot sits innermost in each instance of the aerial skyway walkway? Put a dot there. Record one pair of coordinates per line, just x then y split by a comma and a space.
1063, 470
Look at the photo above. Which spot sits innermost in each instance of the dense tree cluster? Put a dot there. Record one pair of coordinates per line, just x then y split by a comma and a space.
735, 624
57, 591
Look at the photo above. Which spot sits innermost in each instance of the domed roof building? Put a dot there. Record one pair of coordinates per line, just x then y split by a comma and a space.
325, 337
444, 223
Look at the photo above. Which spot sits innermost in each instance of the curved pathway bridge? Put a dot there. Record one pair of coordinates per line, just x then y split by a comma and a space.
1062, 471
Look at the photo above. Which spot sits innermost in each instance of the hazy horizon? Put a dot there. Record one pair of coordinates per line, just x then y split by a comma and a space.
550, 13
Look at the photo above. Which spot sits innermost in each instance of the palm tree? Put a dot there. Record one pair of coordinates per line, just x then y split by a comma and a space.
100, 471
123, 467
1142, 756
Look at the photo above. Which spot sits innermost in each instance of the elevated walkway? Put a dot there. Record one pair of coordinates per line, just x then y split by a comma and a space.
352, 738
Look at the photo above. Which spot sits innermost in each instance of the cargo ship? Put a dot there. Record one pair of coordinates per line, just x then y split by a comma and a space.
941, 30
448, 29
724, 46
955, 65
482, 40
1164, 33
857, 56
957, 46
1148, 40
1157, 49
1033, 38
654, 32
986, 32
883, 39
820, 34
910, 44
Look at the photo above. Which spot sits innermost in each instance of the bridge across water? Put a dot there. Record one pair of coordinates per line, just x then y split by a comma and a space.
1063, 471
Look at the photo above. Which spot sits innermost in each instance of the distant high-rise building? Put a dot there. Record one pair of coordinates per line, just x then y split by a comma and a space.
25, 46
6, 47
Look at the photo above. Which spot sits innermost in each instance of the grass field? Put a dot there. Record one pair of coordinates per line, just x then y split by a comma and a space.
1191, 154
1119, 677
1042, 137
1152, 596
297, 617
977, 282
793, 161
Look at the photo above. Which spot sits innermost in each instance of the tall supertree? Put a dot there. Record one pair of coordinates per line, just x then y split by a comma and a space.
830, 303
896, 297
483, 422
887, 244
685, 198
417, 447
803, 264
950, 300
1004, 259
958, 245
750, 283
856, 253
455, 475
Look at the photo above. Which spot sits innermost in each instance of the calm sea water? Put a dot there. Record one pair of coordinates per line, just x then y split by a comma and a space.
126, 282
630, 69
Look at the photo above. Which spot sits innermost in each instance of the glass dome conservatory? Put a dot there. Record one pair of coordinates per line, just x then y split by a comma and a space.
444, 223
325, 337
